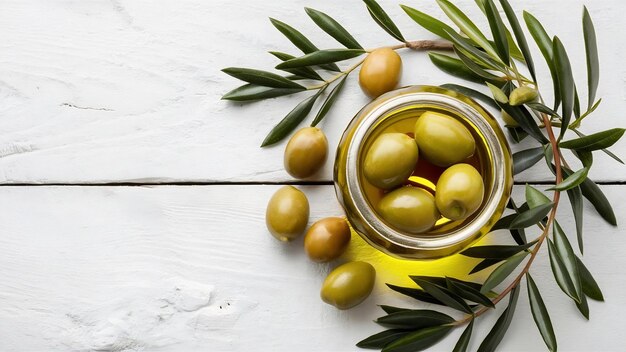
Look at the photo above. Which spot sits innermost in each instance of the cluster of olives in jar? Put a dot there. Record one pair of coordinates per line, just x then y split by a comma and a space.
392, 158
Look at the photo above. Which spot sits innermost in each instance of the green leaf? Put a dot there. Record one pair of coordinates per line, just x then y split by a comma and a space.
576, 103
545, 46
524, 159
575, 196
328, 103
418, 340
484, 264
519, 36
291, 121
300, 41
249, 92
463, 342
573, 180
526, 121
542, 108
517, 133
540, 314
531, 216
415, 293
493, 339
583, 307
560, 272
590, 286
380, 340
566, 82
429, 23
566, 253
305, 72
498, 94
502, 272
333, 28
496, 251
443, 294
473, 66
498, 30
606, 151
477, 56
591, 50
600, 140
535, 197
466, 26
454, 67
471, 93
382, 19
415, 319
469, 293
586, 158
390, 309
594, 194
261, 78
321, 57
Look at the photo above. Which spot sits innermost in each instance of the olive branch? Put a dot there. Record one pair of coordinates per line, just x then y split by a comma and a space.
505, 67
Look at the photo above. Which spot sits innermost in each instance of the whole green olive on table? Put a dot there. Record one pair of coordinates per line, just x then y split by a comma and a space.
390, 160
409, 209
348, 285
287, 213
442, 139
327, 239
305, 152
460, 191
380, 72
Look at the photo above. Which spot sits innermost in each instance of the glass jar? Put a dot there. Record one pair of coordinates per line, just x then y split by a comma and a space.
397, 111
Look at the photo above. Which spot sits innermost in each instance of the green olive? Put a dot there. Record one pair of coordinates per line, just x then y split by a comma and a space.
460, 191
380, 72
521, 95
390, 160
442, 139
327, 239
348, 285
306, 152
409, 209
287, 213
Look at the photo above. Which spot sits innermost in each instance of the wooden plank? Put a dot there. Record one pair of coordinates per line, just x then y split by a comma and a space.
117, 91
194, 269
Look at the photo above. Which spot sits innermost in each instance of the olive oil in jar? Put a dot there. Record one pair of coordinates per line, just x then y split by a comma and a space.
425, 175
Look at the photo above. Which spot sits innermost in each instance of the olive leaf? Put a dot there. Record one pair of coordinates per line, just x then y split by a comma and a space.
560, 272
390, 309
382, 339
429, 23
519, 36
484, 264
478, 56
590, 286
415, 319
418, 340
328, 103
305, 72
463, 342
498, 94
333, 28
542, 108
566, 253
596, 197
502, 272
545, 46
540, 314
454, 67
535, 197
443, 295
291, 121
591, 51
471, 93
249, 92
415, 293
517, 133
600, 140
524, 159
494, 337
583, 307
573, 180
576, 104
382, 19
566, 82
496, 251
498, 31
575, 196
466, 25
531, 216
261, 78
525, 120
586, 158
321, 57
473, 66
605, 151
469, 293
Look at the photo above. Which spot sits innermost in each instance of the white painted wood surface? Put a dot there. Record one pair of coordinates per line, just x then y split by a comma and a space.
102, 91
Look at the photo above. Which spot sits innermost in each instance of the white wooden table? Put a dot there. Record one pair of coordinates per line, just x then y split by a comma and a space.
132, 199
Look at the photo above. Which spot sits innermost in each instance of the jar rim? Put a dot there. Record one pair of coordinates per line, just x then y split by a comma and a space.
383, 107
